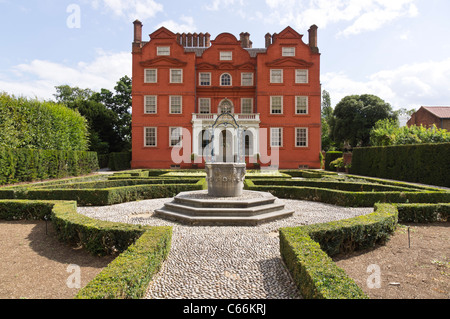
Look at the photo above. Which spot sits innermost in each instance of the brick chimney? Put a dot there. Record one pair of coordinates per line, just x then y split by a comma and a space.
137, 31
207, 40
313, 38
268, 38
137, 43
245, 40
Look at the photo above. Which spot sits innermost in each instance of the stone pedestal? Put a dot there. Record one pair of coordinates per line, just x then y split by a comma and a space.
225, 179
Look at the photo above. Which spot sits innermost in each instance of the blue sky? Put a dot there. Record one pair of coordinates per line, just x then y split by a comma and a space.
398, 50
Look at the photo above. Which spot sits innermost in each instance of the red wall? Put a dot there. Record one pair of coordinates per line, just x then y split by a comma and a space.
144, 56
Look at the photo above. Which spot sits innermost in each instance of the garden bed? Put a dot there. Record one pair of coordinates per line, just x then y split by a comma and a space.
418, 268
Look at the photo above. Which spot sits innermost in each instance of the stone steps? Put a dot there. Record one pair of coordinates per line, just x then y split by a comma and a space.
194, 208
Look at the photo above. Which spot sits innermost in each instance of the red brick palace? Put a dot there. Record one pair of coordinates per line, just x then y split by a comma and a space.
183, 83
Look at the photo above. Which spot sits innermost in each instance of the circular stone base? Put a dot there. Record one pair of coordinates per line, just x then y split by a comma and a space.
200, 208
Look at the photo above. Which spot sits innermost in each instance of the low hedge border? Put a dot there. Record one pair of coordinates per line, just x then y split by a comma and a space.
142, 248
307, 250
128, 276
103, 196
423, 213
350, 199
338, 185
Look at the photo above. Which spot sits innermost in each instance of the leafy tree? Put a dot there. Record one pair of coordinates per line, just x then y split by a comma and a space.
108, 114
355, 116
327, 116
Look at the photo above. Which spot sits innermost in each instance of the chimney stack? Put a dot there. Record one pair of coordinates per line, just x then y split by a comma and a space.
313, 38
268, 38
245, 40
137, 31
207, 40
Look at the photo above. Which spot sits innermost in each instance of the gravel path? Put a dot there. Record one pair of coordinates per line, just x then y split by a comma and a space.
223, 262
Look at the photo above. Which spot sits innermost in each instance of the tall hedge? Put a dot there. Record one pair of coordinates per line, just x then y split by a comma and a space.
35, 124
27, 165
420, 163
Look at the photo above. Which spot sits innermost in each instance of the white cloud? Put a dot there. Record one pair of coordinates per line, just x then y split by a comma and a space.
360, 15
408, 86
39, 77
216, 5
187, 25
130, 9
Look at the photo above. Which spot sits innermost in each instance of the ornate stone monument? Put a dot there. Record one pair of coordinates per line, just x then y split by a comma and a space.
225, 202
225, 179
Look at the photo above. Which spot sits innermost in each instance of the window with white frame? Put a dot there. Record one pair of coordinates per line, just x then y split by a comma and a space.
288, 51
205, 79
150, 104
301, 105
164, 51
204, 105
301, 137
276, 137
176, 136
150, 76
247, 79
150, 135
247, 105
276, 105
225, 79
301, 76
226, 55
276, 76
176, 76
176, 104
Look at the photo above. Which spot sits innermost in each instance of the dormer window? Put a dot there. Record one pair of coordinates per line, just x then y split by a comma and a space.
288, 51
226, 56
163, 51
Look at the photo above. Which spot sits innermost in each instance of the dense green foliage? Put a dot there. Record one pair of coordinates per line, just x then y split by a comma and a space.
119, 161
26, 165
354, 116
421, 163
108, 114
388, 132
40, 125
331, 156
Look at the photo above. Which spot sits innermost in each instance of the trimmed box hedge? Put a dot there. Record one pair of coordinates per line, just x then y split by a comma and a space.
142, 248
306, 251
128, 276
108, 196
420, 163
423, 213
350, 199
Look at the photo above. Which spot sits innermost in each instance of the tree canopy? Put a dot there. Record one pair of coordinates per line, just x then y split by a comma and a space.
354, 117
108, 114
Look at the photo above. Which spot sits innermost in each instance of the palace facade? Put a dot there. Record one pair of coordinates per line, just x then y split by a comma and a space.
194, 97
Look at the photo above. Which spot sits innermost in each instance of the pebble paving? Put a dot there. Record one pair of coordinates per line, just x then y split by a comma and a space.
209, 262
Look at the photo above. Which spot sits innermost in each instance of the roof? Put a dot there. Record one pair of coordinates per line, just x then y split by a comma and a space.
199, 51
442, 112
